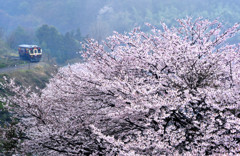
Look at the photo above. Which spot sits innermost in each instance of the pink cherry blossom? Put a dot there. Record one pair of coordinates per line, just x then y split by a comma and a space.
167, 91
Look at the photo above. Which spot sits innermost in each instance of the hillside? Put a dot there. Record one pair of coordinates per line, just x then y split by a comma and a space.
8, 56
33, 74
104, 15
36, 76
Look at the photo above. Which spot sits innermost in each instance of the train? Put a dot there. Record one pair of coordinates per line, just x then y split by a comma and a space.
33, 53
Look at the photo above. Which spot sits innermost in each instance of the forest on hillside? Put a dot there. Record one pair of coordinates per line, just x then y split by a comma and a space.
59, 26
92, 16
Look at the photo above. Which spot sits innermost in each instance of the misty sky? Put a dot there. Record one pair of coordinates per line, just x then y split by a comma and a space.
98, 18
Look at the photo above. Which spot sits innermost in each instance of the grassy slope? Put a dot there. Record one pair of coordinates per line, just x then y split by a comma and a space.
36, 77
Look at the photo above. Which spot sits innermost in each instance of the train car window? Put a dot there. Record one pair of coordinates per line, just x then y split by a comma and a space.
31, 51
39, 50
35, 51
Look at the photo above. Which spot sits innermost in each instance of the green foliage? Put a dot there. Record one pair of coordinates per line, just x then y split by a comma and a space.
5, 49
20, 36
70, 46
77, 35
62, 47
49, 38
7, 54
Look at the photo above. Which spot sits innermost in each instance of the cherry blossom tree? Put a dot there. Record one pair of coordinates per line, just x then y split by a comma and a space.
169, 91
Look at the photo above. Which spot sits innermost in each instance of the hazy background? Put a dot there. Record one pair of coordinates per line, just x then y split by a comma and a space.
41, 21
